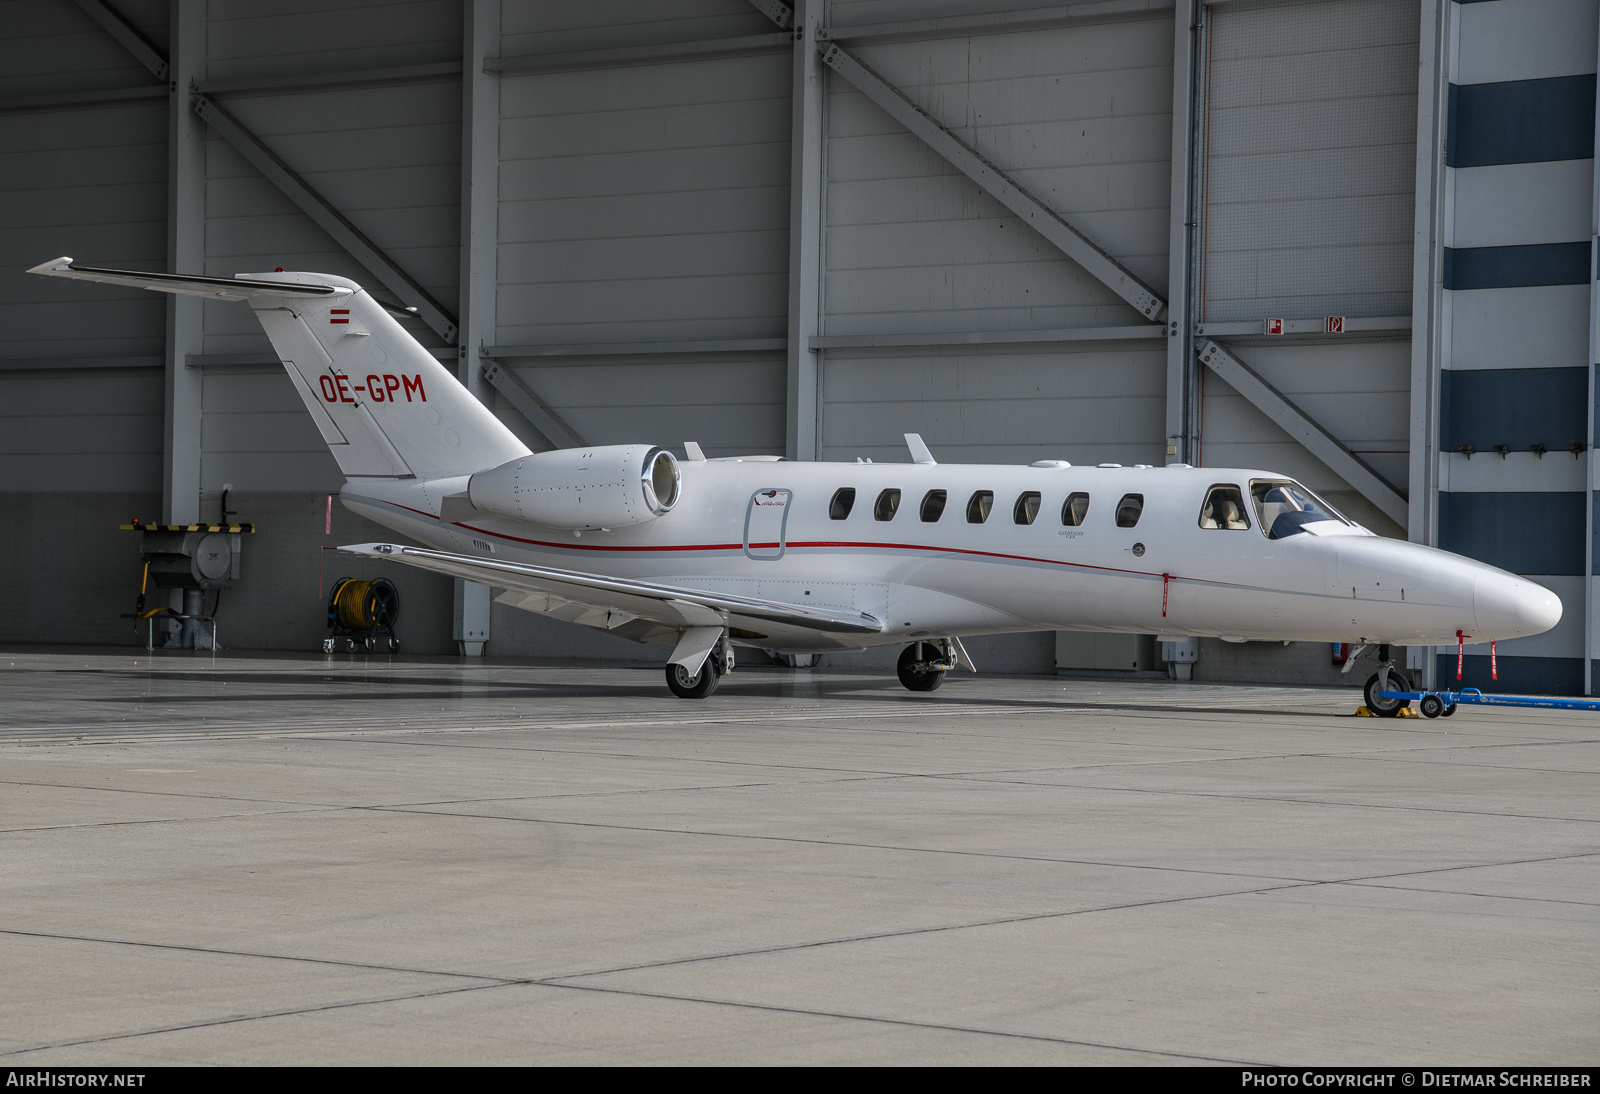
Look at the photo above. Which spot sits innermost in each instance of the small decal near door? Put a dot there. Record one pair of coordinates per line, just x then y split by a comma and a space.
766, 521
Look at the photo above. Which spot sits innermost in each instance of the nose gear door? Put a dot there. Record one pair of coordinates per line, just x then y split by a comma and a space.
766, 521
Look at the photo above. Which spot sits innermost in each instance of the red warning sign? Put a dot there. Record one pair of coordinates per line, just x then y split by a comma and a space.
1274, 326
1335, 324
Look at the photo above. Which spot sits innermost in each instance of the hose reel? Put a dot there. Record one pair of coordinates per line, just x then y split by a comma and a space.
362, 611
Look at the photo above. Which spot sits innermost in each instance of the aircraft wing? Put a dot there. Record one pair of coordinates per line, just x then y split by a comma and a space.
667, 606
216, 288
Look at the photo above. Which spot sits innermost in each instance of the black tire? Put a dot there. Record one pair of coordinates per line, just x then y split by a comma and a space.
911, 671
1387, 708
1447, 711
698, 686
1431, 706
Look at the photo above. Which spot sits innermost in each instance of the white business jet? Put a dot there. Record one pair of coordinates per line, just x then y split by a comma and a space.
702, 555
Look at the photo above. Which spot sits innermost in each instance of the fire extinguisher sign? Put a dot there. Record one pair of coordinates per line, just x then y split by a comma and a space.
1335, 324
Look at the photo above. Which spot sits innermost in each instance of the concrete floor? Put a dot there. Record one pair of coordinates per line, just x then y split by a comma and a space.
280, 859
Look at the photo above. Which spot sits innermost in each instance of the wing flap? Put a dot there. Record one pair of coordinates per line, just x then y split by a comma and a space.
668, 605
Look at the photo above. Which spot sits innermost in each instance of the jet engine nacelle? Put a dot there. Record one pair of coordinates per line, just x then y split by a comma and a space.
580, 488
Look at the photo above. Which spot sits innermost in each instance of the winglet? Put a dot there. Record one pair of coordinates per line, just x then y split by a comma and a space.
919, 450
692, 452
48, 268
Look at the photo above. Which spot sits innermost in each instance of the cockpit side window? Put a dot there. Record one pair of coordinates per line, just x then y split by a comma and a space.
1224, 508
933, 505
844, 500
978, 506
1284, 508
1074, 509
1026, 509
888, 504
1129, 509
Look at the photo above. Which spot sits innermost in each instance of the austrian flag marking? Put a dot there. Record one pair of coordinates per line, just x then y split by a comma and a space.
339, 315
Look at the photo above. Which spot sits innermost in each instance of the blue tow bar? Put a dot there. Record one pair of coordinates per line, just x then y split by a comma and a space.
1473, 695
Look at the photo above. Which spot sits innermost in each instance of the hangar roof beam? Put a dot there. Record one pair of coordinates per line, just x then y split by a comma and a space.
1299, 425
112, 22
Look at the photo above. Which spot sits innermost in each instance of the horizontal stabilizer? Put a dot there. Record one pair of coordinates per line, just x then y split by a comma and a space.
667, 605
216, 288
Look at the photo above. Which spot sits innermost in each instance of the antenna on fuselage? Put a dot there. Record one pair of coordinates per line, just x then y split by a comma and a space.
919, 450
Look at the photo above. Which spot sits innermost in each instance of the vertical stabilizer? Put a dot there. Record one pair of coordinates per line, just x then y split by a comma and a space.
385, 405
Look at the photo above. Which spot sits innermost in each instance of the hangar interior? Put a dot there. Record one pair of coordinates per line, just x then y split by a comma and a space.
1345, 239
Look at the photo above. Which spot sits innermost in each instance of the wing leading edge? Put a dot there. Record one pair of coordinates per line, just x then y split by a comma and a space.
609, 603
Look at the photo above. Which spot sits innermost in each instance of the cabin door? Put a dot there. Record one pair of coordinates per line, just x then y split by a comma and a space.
766, 521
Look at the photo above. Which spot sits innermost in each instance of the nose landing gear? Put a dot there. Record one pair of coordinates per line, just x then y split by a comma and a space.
1387, 678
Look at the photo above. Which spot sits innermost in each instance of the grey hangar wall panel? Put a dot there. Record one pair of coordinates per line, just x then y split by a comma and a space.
1014, 404
90, 183
1079, 115
1543, 326
89, 430
1310, 159
646, 202
565, 26
256, 38
731, 403
1514, 203
1521, 39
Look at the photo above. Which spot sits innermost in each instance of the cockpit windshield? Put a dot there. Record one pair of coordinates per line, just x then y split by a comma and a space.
1285, 508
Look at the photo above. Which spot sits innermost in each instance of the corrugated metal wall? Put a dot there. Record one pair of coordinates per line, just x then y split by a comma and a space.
1082, 117
90, 182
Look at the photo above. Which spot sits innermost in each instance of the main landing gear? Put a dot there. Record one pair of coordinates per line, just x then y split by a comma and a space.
922, 665
1387, 678
702, 682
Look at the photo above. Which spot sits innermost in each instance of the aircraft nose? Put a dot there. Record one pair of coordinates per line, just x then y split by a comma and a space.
1507, 606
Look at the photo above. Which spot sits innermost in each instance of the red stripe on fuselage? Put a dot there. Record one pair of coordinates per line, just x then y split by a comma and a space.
808, 543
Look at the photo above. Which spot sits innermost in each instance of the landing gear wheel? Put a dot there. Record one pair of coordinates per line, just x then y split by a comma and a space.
1447, 711
1431, 706
913, 671
1387, 708
695, 686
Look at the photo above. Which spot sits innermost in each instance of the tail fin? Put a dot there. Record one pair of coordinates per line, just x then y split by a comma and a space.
385, 406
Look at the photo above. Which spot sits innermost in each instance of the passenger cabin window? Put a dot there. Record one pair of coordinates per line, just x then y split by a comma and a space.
1129, 509
979, 505
1026, 509
933, 505
1074, 509
1224, 509
1285, 508
888, 504
844, 499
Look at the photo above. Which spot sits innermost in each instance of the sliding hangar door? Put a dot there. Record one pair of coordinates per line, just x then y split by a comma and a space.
1127, 231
